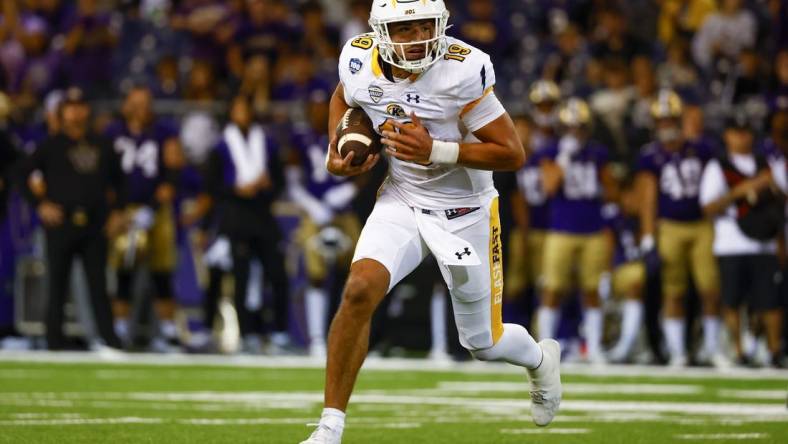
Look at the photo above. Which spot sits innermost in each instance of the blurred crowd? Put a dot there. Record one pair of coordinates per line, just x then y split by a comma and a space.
222, 218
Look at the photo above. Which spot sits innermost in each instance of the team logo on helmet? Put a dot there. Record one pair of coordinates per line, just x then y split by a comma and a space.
375, 93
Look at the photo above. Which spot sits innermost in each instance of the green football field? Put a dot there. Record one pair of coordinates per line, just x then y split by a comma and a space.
68, 398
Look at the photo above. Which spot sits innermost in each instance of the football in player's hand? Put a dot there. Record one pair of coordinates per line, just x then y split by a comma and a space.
355, 133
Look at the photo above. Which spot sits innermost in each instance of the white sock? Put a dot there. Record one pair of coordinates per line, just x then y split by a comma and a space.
711, 334
167, 328
316, 301
333, 419
515, 346
122, 328
673, 329
592, 329
631, 317
547, 319
438, 320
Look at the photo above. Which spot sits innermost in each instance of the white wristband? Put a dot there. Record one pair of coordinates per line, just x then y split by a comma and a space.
444, 152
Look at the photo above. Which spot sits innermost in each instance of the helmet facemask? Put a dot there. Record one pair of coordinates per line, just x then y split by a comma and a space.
434, 48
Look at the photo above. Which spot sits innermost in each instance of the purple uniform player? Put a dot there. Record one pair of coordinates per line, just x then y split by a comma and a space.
142, 143
577, 177
329, 229
668, 177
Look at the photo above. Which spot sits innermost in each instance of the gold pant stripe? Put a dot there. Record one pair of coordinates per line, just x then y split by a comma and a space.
496, 273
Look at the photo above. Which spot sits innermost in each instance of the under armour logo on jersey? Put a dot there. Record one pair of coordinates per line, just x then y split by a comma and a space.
460, 254
412, 98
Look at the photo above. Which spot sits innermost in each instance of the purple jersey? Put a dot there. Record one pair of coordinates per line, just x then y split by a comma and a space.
678, 178
625, 231
529, 179
311, 146
770, 150
577, 206
141, 157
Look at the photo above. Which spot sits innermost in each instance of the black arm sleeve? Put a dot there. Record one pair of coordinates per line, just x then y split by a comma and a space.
33, 162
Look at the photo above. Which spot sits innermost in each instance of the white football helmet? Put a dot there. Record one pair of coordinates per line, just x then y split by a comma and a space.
385, 12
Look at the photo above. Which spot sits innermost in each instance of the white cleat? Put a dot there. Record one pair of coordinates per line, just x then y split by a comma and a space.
546, 384
324, 435
679, 361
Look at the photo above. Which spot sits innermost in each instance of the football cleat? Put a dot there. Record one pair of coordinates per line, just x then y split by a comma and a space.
324, 435
546, 384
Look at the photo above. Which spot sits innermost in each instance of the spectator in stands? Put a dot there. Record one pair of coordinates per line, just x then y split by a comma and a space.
90, 38
357, 23
244, 176
577, 177
297, 78
167, 82
566, 60
748, 83
612, 39
485, 30
741, 191
724, 34
256, 84
778, 92
199, 21
673, 226
264, 31
639, 124
677, 71
79, 208
612, 104
318, 35
201, 85
682, 18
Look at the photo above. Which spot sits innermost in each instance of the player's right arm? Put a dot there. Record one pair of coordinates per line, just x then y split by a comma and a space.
646, 185
335, 164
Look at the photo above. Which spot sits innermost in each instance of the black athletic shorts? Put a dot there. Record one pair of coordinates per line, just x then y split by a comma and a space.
753, 280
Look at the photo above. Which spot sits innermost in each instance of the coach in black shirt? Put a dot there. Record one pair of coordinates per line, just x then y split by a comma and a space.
83, 188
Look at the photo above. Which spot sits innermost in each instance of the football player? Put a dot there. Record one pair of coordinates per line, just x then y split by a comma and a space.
329, 227
431, 98
577, 178
628, 269
545, 98
140, 139
673, 226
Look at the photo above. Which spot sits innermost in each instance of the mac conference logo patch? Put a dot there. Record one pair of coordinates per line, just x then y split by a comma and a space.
375, 93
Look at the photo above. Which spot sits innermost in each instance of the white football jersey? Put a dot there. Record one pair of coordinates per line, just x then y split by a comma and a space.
440, 97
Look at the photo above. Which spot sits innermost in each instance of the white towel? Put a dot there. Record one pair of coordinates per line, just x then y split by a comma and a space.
248, 154
447, 248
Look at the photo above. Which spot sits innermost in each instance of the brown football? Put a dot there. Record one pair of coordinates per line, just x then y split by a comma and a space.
355, 133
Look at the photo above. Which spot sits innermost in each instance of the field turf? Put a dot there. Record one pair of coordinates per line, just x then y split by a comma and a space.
75, 398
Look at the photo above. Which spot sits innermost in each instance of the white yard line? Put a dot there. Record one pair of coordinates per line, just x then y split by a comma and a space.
574, 388
80, 421
386, 364
550, 431
721, 436
754, 394
293, 398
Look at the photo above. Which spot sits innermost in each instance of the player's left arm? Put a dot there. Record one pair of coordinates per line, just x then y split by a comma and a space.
499, 148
